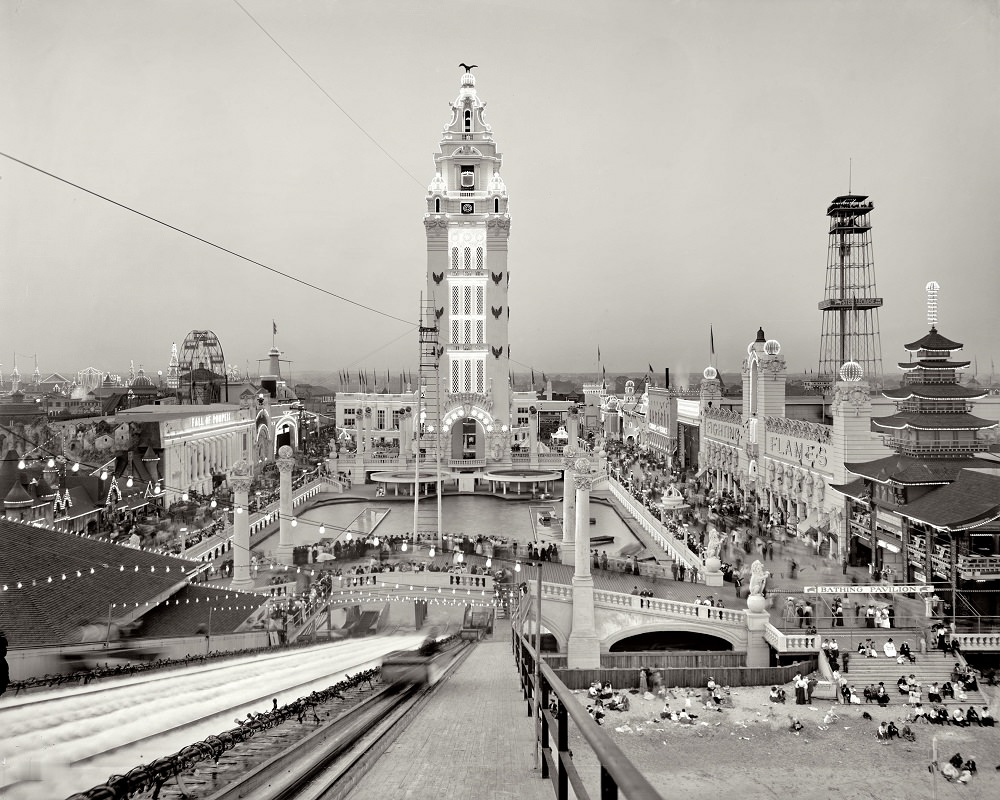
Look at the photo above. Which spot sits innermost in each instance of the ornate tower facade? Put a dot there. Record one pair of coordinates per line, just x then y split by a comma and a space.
173, 369
467, 226
849, 305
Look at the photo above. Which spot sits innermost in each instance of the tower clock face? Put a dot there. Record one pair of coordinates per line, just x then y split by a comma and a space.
468, 208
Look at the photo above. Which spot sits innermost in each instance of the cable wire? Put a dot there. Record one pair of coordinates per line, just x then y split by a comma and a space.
327, 94
203, 240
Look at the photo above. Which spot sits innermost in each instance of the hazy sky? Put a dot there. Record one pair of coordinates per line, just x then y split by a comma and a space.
669, 166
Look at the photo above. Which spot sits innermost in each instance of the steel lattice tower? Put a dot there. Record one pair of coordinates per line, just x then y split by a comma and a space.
850, 305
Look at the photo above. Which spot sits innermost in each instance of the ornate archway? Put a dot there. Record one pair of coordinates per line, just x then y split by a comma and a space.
470, 432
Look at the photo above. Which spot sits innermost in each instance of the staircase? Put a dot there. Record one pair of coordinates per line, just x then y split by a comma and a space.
929, 668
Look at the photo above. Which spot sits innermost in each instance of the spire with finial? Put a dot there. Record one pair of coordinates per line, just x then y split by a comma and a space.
932, 303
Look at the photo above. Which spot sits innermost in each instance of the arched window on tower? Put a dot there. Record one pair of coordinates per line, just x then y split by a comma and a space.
468, 120
437, 205
496, 205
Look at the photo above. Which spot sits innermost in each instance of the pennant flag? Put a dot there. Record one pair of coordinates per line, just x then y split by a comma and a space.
544, 379
650, 369
274, 325
598, 354
711, 340
532, 377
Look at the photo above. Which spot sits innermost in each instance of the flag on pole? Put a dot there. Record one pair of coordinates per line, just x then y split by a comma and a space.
274, 326
532, 377
598, 354
711, 340
650, 369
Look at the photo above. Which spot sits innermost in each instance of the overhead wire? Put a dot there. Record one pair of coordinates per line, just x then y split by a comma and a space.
203, 240
328, 96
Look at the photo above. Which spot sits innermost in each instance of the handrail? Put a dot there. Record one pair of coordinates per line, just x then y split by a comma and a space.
617, 772
679, 551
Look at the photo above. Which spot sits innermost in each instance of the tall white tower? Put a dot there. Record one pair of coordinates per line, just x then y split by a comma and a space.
173, 369
467, 279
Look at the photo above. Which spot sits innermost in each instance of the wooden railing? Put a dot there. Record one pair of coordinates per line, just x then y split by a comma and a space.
617, 773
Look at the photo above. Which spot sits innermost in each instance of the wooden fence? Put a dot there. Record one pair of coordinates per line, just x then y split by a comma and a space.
672, 659
690, 677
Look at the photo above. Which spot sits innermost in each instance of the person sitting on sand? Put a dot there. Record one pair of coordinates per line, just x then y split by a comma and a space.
881, 695
889, 649
607, 692
882, 734
907, 735
958, 718
618, 702
972, 717
986, 718
795, 725
666, 713
776, 695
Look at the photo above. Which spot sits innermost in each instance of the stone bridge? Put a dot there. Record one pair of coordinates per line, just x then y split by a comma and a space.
618, 616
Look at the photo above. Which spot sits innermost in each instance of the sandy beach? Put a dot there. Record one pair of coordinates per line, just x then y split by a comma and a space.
747, 751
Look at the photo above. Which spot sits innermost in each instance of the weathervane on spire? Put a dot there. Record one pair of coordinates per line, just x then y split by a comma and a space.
468, 67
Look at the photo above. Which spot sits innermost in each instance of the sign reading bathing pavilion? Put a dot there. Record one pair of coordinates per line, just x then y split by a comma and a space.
875, 588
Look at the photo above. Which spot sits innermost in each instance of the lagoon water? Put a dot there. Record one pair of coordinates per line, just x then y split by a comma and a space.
472, 515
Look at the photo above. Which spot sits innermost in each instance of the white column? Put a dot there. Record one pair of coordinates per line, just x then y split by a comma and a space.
583, 649
285, 461
239, 481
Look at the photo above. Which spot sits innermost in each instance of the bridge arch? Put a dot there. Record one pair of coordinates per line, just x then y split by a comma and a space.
735, 637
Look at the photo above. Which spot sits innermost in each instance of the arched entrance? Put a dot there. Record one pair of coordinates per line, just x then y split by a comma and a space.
466, 433
670, 640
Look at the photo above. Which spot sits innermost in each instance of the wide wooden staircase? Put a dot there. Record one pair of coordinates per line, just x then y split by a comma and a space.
929, 668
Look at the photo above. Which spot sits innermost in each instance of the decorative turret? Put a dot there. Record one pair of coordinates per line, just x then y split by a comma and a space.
173, 369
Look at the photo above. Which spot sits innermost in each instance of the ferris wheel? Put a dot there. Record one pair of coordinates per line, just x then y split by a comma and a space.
202, 366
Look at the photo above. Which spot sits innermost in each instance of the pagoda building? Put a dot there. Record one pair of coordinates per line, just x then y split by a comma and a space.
930, 512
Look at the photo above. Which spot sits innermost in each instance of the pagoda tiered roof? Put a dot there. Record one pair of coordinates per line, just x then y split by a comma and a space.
933, 422
932, 340
934, 391
909, 471
932, 364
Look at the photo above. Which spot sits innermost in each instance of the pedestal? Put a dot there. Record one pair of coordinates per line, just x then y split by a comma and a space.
713, 578
286, 544
758, 650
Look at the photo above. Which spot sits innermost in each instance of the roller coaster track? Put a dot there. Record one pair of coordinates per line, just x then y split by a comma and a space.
328, 762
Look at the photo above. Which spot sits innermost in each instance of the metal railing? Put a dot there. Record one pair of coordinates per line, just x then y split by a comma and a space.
617, 773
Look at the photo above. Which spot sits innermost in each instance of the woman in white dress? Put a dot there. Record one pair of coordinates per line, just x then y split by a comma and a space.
889, 649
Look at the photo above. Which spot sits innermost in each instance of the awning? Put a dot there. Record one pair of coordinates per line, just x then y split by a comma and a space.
812, 521
701, 471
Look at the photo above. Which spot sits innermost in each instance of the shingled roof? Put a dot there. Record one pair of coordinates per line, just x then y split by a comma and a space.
36, 611
186, 613
933, 340
972, 500
906, 470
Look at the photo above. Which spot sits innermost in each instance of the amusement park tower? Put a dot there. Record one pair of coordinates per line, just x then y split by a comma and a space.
849, 306
467, 226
